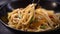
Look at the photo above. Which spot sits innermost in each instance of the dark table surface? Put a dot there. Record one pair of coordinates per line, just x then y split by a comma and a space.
4, 30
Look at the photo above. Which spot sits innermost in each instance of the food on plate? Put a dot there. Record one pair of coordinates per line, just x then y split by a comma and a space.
33, 20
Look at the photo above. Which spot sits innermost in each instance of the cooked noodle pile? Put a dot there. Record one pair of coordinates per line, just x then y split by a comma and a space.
31, 19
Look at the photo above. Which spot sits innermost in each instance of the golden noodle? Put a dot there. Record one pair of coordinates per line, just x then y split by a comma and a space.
31, 19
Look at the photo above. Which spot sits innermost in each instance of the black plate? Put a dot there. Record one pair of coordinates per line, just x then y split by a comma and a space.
22, 4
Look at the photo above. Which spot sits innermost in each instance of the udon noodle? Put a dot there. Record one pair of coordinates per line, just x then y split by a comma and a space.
33, 20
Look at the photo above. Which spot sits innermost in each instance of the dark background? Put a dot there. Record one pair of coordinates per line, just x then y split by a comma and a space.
4, 30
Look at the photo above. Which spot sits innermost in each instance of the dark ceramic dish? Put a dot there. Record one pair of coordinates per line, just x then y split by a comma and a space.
22, 4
